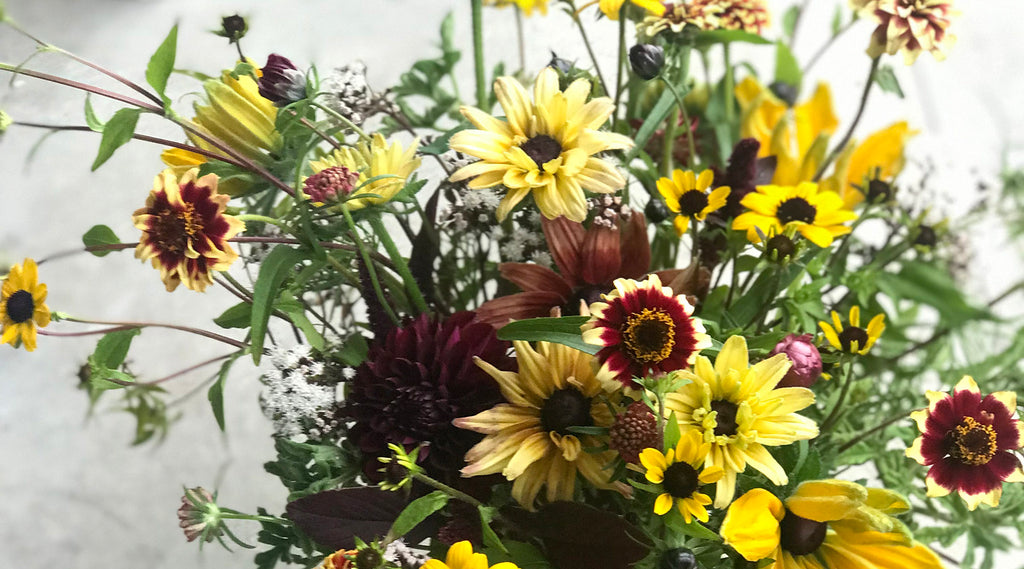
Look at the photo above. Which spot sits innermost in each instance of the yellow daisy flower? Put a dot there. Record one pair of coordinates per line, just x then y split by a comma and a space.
529, 439
22, 306
679, 474
817, 215
738, 410
369, 160
611, 8
527, 6
685, 195
546, 147
238, 115
853, 339
825, 524
461, 556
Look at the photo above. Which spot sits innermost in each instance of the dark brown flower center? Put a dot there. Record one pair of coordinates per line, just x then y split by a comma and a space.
20, 306
649, 335
680, 480
972, 442
725, 420
853, 334
801, 536
692, 203
171, 228
564, 409
542, 149
796, 209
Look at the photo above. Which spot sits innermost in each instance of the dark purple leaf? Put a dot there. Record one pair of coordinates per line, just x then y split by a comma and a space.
334, 518
577, 536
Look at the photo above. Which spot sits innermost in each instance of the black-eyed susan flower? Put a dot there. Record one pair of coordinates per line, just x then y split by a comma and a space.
461, 556
22, 307
529, 439
611, 8
817, 215
825, 524
679, 472
968, 443
739, 410
185, 231
547, 147
852, 338
389, 163
644, 329
686, 195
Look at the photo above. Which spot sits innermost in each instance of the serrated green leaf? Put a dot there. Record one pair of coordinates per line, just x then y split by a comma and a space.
100, 235
885, 78
787, 68
162, 63
565, 330
417, 511
273, 271
116, 133
113, 348
94, 123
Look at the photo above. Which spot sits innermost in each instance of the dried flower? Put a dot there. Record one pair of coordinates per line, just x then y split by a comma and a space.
633, 431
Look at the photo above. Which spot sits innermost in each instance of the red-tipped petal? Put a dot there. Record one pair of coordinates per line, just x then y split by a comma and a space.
565, 241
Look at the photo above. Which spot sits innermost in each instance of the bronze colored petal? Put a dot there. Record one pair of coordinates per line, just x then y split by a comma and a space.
519, 306
635, 248
601, 257
565, 241
531, 277
693, 281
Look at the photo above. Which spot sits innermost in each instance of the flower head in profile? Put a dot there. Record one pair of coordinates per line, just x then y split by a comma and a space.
968, 443
817, 215
910, 26
644, 329
22, 307
675, 17
546, 148
281, 82
880, 157
852, 338
185, 231
679, 473
237, 114
750, 16
527, 6
461, 556
530, 439
686, 195
825, 524
738, 409
388, 165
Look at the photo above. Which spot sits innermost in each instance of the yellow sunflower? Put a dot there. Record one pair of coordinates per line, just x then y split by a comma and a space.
817, 215
678, 472
853, 339
529, 439
738, 410
22, 306
368, 159
825, 524
461, 556
546, 147
685, 195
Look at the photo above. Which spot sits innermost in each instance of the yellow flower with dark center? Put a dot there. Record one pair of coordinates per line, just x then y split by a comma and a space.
678, 472
825, 524
879, 157
527, 6
369, 159
185, 231
461, 556
739, 411
817, 215
530, 439
853, 339
22, 306
685, 194
611, 8
546, 147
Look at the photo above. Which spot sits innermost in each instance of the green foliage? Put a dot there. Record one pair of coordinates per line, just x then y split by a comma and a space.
287, 544
162, 63
424, 81
100, 235
116, 133
564, 330
215, 394
278, 265
308, 468
418, 510
886, 80
787, 68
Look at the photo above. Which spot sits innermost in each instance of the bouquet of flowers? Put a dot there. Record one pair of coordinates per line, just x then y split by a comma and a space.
662, 312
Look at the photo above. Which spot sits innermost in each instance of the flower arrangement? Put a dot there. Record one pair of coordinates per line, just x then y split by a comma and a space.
653, 318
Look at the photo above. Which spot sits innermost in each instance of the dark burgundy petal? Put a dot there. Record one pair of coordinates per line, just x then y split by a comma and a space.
499, 311
1002, 465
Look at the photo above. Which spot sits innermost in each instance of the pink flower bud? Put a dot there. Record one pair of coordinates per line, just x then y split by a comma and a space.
805, 357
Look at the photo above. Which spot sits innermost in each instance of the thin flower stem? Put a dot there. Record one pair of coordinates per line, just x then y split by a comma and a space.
190, 330
263, 219
186, 370
438, 485
236, 291
850, 443
375, 282
590, 49
619, 66
729, 88
833, 416
343, 120
313, 128
691, 145
403, 268
89, 249
796, 24
520, 38
821, 51
87, 332
82, 87
668, 143
380, 259
849, 133
477, 8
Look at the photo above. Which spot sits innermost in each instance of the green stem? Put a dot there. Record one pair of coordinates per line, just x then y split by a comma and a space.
730, 81
590, 49
374, 281
833, 416
437, 485
196, 331
619, 67
668, 143
681, 105
478, 54
520, 38
263, 219
850, 443
403, 267
343, 120
860, 113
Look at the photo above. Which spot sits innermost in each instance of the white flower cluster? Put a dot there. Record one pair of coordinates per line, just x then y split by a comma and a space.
292, 399
346, 92
471, 207
607, 210
400, 554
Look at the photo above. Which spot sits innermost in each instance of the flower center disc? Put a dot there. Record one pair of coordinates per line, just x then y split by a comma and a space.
725, 420
680, 480
190, 220
542, 149
796, 209
649, 335
20, 306
565, 408
801, 536
853, 334
973, 443
692, 203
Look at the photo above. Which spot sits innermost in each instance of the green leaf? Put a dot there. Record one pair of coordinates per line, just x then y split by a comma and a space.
712, 37
215, 395
354, 351
672, 432
417, 511
787, 68
238, 316
789, 20
675, 522
491, 539
837, 20
296, 311
273, 271
440, 144
565, 330
112, 349
927, 284
100, 235
886, 80
117, 132
95, 124
654, 119
162, 63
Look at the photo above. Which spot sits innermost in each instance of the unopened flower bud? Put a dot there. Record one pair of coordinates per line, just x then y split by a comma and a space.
679, 558
646, 60
926, 237
780, 247
563, 66
879, 191
233, 27
199, 515
657, 211
788, 93
282, 82
800, 350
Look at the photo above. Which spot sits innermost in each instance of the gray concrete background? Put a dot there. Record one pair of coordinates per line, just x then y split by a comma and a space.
73, 491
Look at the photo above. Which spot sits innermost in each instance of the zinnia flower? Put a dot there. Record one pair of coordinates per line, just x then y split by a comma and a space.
825, 524
853, 339
644, 329
370, 159
21, 306
739, 409
546, 147
675, 17
461, 556
185, 231
817, 215
415, 381
678, 472
685, 194
912, 26
529, 439
968, 443
750, 16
